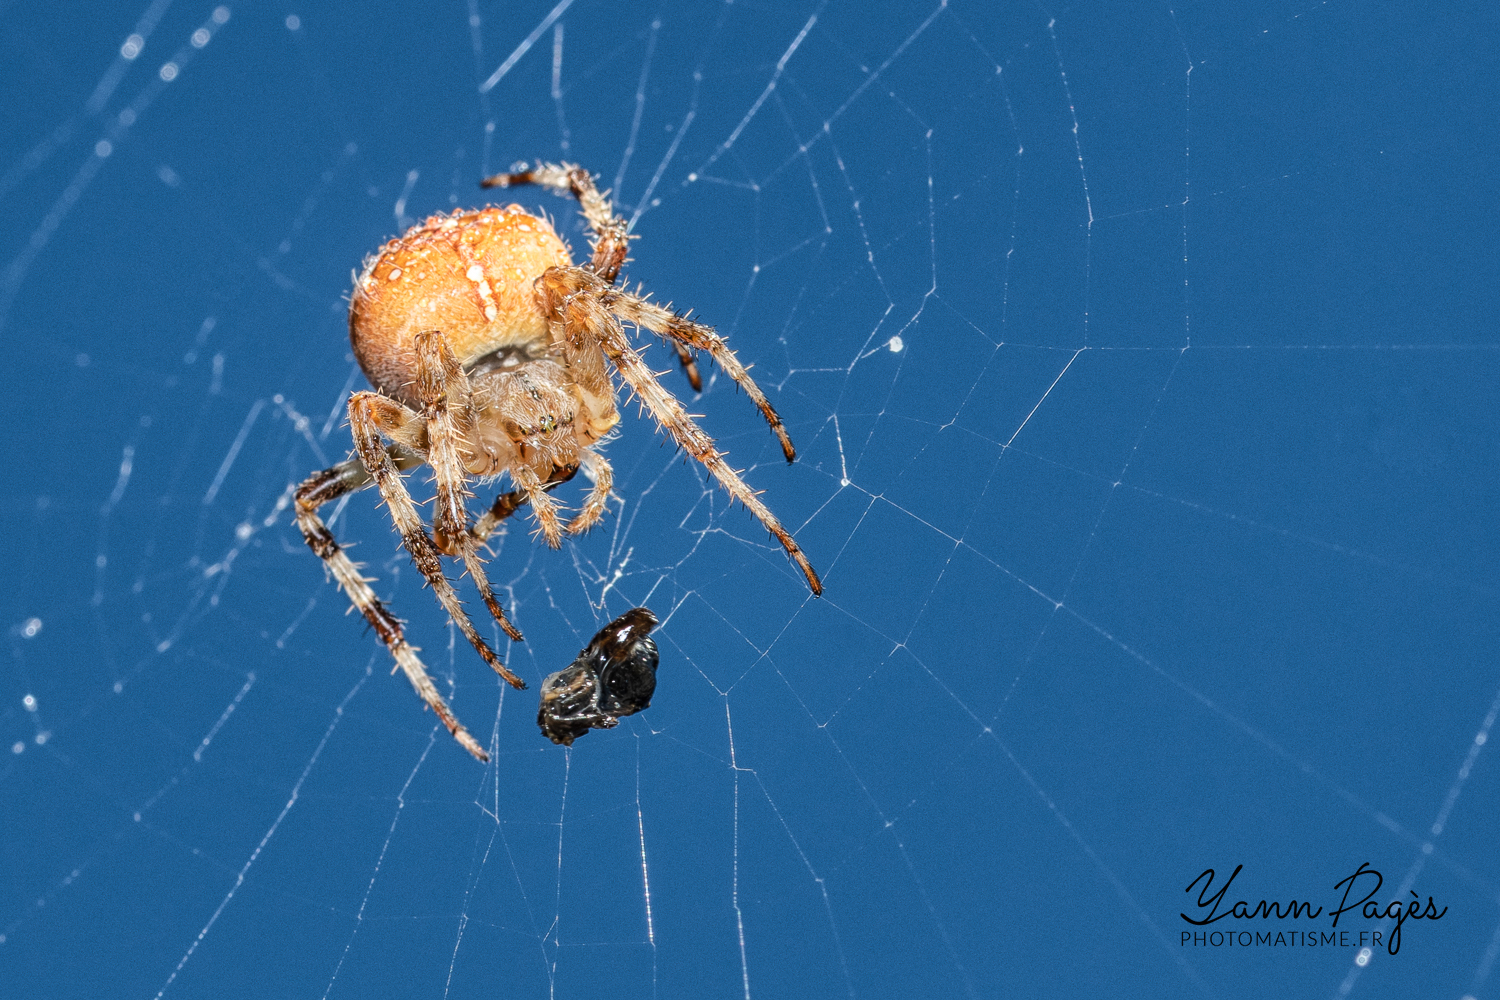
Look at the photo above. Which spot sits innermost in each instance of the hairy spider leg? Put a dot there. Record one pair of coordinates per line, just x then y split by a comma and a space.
444, 390
330, 484
511, 501
590, 327
504, 506
611, 236
369, 414
543, 507
593, 507
611, 240
676, 328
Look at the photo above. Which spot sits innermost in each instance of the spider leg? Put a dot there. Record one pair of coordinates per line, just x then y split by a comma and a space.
611, 240
504, 506
543, 507
689, 365
678, 330
444, 390
368, 413
511, 501
593, 507
320, 488
588, 323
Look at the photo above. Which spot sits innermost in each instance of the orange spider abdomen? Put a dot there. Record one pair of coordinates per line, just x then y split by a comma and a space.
469, 274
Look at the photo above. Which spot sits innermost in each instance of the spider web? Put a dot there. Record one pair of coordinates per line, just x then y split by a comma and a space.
1142, 368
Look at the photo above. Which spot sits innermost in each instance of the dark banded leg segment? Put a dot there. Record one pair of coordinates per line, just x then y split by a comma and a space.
683, 333
590, 322
611, 240
511, 501
444, 389
319, 489
369, 414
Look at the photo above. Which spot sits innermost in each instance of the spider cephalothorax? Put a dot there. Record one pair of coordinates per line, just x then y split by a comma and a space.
492, 352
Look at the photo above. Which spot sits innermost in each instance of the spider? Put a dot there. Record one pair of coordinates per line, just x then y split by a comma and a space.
491, 352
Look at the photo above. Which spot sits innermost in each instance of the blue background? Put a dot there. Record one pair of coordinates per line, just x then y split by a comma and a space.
1143, 366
